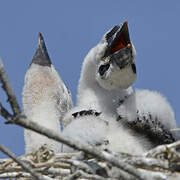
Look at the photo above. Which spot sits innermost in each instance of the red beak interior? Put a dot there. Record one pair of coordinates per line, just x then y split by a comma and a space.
121, 40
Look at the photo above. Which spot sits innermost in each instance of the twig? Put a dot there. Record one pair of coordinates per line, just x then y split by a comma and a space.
8, 89
5, 113
142, 161
161, 149
82, 174
73, 176
175, 129
22, 164
76, 155
10, 175
78, 164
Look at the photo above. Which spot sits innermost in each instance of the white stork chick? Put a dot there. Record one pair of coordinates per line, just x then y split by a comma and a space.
108, 71
106, 77
45, 99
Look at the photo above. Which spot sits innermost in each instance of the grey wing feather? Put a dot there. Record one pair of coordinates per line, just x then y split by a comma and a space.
64, 101
151, 129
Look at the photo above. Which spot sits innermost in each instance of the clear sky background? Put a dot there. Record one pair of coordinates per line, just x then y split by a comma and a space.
72, 28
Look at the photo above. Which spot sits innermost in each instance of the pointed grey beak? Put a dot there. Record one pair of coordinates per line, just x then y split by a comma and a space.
41, 56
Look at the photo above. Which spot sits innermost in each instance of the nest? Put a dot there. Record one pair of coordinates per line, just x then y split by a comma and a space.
162, 162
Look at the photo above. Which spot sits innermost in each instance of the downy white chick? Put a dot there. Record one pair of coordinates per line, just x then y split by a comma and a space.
136, 120
45, 99
107, 73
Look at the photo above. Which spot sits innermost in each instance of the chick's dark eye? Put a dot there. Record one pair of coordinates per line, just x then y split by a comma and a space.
103, 69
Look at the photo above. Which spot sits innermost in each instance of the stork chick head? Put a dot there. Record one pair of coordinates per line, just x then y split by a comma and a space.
116, 68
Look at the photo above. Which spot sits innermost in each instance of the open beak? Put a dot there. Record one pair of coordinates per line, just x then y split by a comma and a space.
119, 48
118, 38
121, 39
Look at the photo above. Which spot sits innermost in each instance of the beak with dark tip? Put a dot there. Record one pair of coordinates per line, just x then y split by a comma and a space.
118, 38
121, 39
41, 56
119, 48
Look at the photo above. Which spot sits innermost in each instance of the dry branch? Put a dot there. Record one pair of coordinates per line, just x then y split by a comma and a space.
22, 164
8, 90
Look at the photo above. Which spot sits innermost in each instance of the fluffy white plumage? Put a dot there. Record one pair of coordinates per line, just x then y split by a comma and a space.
124, 140
148, 102
105, 86
94, 131
86, 129
45, 99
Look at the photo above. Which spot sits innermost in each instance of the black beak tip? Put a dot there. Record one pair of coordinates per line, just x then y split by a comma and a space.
124, 25
125, 31
41, 42
40, 35
41, 56
126, 22
122, 33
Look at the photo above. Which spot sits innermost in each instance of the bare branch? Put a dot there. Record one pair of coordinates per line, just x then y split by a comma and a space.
4, 113
161, 149
14, 175
8, 90
82, 174
175, 130
143, 162
22, 164
78, 164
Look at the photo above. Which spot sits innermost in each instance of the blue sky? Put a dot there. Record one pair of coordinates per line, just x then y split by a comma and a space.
71, 28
